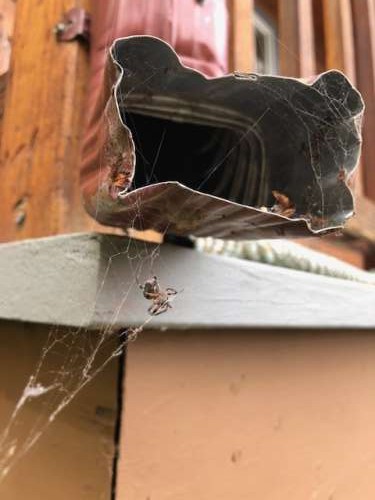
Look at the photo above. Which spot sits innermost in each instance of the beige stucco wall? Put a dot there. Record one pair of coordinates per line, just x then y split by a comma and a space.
73, 458
249, 415
208, 415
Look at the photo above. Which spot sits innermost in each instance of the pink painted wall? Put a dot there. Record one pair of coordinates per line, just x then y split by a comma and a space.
249, 415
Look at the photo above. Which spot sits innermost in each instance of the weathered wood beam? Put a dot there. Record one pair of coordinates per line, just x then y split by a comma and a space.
364, 38
296, 35
42, 126
242, 41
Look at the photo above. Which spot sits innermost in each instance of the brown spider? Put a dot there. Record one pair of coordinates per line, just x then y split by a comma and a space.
160, 298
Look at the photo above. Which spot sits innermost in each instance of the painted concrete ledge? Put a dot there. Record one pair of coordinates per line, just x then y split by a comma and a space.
89, 280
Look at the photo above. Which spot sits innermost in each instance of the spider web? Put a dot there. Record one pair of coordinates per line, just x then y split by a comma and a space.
71, 358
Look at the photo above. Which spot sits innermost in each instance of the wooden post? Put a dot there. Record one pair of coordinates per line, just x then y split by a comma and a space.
296, 32
339, 40
242, 42
42, 125
364, 31
338, 29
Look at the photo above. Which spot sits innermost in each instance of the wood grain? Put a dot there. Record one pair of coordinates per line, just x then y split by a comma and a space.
242, 46
42, 126
364, 38
319, 36
296, 35
338, 29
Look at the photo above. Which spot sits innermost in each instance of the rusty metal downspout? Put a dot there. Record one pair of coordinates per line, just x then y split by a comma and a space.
244, 156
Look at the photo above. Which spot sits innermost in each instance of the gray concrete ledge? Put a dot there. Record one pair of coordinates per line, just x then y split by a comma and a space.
89, 280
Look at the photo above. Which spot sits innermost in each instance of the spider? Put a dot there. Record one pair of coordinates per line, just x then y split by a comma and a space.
160, 298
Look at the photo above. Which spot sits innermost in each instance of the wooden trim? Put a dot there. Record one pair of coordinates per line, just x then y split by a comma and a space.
242, 41
364, 31
296, 33
42, 126
97, 287
319, 37
338, 28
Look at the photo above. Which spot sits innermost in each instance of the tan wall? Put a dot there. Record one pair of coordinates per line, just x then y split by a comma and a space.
73, 458
208, 416
242, 415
